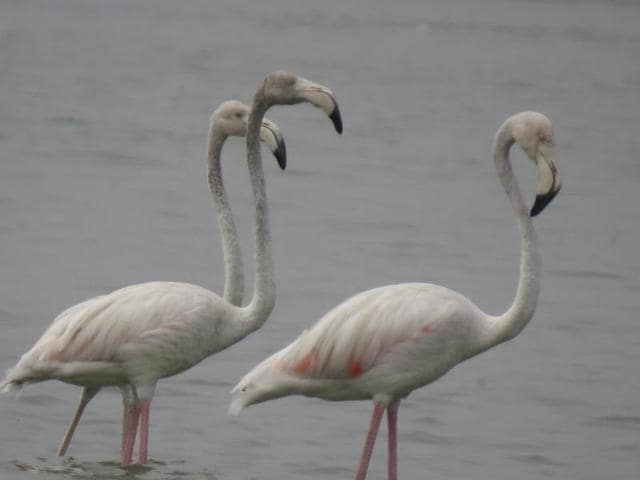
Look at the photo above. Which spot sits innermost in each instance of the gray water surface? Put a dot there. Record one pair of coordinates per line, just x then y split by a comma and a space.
104, 111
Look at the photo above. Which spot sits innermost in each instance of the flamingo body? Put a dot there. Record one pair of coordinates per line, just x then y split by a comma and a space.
136, 335
384, 343
379, 344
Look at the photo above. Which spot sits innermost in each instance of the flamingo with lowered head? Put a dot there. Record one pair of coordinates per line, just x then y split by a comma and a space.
383, 343
136, 335
229, 119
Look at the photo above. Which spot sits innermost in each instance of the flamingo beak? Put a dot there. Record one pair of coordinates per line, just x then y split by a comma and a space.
548, 180
335, 117
323, 98
542, 201
271, 135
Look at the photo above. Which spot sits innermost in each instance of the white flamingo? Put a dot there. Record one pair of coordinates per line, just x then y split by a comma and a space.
384, 343
136, 335
229, 119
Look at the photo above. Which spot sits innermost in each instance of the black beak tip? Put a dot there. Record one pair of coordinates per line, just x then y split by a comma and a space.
281, 154
542, 201
336, 119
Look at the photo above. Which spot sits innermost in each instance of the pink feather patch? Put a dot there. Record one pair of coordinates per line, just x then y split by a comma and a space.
427, 329
306, 363
355, 368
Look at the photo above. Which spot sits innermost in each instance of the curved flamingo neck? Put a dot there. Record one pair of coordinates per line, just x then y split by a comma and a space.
264, 294
509, 324
233, 274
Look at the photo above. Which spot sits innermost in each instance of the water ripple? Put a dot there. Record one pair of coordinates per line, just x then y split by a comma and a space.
538, 459
69, 468
616, 421
427, 438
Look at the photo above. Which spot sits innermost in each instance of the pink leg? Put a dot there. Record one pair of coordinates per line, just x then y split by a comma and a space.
132, 415
392, 422
126, 423
87, 395
144, 430
370, 441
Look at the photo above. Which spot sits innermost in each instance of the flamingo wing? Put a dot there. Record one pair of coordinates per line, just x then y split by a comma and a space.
372, 328
141, 321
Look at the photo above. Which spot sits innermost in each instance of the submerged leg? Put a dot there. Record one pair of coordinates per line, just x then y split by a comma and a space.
144, 430
392, 423
370, 441
85, 397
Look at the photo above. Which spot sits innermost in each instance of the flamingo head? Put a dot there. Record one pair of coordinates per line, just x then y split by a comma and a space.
264, 382
286, 88
231, 119
533, 132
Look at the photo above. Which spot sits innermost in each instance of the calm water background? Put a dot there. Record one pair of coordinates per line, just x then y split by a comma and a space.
104, 112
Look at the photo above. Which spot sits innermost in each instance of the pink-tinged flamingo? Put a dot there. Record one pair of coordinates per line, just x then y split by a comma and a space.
136, 335
230, 119
384, 343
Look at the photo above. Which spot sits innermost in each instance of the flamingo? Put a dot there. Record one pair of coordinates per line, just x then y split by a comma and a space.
384, 343
139, 334
229, 119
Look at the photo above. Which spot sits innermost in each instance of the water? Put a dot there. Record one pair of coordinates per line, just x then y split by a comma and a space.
103, 124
